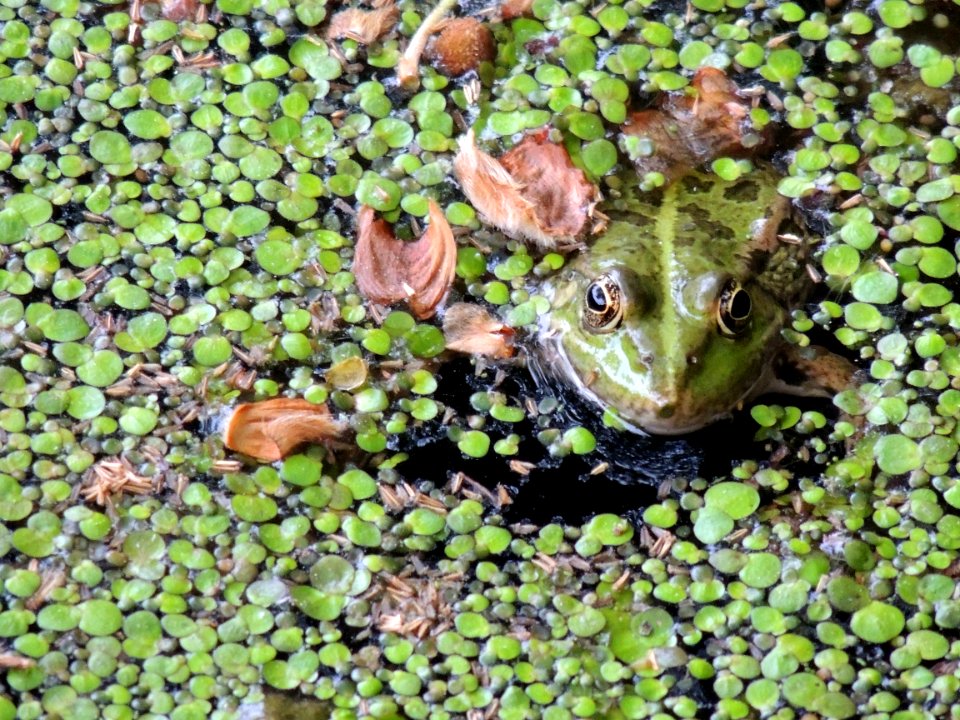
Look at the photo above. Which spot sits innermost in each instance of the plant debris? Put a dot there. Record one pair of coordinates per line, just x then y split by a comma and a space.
469, 328
461, 46
693, 126
270, 430
408, 67
533, 192
364, 26
388, 270
180, 10
111, 476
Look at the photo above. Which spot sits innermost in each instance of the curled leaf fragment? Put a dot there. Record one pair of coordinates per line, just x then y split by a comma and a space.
533, 192
364, 26
689, 128
348, 374
271, 429
469, 328
388, 270
408, 67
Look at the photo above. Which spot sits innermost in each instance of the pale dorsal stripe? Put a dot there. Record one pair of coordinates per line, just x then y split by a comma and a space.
665, 232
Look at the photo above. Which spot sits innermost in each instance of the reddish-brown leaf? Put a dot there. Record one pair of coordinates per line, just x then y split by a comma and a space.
271, 429
388, 270
534, 192
376, 259
692, 127
461, 46
364, 26
470, 329
559, 190
177, 10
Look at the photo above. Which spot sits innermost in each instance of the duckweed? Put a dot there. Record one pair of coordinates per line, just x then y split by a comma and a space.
178, 236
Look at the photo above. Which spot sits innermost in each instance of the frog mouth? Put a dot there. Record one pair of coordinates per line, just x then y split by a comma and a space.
673, 416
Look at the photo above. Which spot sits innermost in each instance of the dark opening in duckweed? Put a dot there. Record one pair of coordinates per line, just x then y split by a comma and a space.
179, 185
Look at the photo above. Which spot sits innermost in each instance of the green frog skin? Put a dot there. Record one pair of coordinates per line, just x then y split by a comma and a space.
672, 317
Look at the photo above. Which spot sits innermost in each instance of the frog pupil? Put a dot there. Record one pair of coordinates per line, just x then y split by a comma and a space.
734, 309
740, 305
602, 308
596, 298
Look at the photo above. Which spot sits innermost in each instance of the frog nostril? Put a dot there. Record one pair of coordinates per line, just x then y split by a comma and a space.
647, 358
667, 411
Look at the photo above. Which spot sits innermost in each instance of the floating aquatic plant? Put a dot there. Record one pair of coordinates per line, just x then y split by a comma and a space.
178, 235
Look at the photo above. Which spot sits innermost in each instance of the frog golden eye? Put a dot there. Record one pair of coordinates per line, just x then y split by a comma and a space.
603, 309
733, 311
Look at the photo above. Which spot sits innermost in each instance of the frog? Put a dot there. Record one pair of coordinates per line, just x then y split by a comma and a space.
672, 317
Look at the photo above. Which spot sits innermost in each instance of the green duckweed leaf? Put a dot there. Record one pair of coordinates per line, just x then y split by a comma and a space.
877, 622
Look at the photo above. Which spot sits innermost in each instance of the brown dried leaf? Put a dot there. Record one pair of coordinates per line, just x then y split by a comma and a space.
534, 192
692, 127
461, 46
408, 67
494, 192
373, 267
271, 429
471, 329
388, 270
559, 190
177, 10
364, 26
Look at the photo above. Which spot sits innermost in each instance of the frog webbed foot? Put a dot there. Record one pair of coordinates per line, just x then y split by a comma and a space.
811, 372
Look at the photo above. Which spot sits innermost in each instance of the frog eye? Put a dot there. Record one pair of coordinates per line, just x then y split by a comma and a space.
733, 311
603, 309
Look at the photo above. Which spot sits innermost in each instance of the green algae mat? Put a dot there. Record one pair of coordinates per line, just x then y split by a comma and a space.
178, 186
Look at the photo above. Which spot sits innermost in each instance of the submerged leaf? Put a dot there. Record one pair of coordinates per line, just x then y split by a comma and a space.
692, 127
533, 192
364, 26
348, 374
471, 329
270, 430
388, 270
